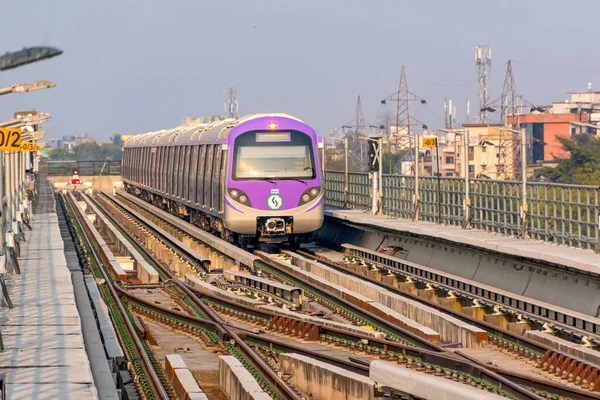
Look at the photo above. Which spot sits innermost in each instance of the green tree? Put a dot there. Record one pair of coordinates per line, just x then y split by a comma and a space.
581, 168
117, 140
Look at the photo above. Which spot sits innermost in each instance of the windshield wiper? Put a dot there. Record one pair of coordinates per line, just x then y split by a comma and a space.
265, 179
292, 179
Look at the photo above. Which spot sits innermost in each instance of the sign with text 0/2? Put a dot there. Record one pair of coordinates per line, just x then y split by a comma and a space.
28, 146
10, 139
429, 142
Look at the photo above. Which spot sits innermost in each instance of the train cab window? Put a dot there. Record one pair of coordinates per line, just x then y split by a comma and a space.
273, 155
192, 176
208, 176
200, 183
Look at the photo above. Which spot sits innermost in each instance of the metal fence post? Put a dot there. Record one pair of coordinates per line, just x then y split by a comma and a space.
380, 187
346, 174
417, 196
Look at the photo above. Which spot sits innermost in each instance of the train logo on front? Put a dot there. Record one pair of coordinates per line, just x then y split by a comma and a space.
274, 202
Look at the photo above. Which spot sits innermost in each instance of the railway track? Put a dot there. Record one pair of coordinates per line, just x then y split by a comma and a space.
539, 385
560, 365
150, 382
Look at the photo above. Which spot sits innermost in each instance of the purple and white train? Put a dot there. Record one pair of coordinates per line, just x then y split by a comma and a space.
247, 179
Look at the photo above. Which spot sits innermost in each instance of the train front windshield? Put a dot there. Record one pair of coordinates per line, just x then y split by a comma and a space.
273, 155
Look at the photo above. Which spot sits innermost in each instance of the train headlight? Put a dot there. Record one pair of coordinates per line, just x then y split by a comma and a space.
309, 195
239, 196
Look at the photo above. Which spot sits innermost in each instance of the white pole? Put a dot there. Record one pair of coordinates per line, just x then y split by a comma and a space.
467, 201
417, 198
524, 183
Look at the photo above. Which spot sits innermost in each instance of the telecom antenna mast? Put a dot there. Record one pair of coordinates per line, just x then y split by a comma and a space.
483, 63
231, 104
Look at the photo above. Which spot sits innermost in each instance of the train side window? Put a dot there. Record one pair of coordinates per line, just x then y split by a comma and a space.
157, 168
200, 177
153, 161
170, 170
180, 172
162, 170
186, 172
124, 164
216, 192
208, 176
192, 175
176, 184
222, 179
145, 166
137, 165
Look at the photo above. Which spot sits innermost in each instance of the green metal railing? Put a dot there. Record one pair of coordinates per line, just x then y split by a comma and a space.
84, 168
562, 214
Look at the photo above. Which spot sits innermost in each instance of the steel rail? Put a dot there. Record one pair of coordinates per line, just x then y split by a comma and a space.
158, 388
284, 388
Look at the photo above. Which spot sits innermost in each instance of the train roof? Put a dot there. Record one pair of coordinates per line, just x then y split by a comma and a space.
205, 132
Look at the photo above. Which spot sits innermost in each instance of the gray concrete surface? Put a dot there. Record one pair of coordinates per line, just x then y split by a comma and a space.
563, 281
45, 355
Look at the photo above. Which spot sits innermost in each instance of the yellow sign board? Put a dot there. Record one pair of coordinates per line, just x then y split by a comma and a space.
430, 142
10, 139
28, 146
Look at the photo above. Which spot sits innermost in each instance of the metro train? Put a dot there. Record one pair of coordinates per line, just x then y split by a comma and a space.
248, 180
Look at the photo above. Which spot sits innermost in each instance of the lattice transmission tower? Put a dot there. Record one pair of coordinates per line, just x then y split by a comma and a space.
511, 105
400, 134
355, 129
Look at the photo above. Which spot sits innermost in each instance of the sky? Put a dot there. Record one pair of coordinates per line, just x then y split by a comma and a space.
136, 66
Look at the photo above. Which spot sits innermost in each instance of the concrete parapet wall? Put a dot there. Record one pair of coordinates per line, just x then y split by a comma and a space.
99, 183
369, 296
321, 380
145, 272
577, 350
184, 384
450, 329
237, 383
418, 384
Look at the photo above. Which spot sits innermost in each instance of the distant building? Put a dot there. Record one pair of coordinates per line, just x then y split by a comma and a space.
579, 114
490, 153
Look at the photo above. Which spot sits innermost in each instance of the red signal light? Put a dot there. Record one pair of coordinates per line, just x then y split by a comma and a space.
75, 172
75, 181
